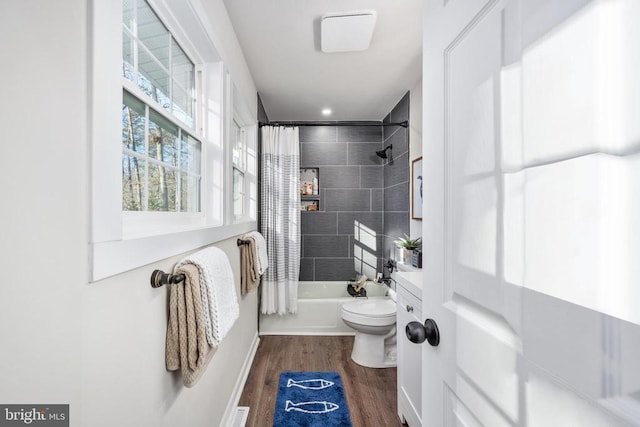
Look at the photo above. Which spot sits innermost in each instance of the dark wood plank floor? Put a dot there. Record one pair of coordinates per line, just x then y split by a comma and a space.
371, 393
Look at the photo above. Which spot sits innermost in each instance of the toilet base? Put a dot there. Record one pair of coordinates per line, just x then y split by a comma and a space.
374, 351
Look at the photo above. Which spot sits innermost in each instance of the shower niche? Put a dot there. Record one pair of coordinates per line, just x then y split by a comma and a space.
309, 189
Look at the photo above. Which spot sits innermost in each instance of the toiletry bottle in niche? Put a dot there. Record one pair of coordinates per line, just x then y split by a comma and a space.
315, 186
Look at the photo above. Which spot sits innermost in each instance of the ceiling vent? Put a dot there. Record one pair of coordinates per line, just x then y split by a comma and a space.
347, 32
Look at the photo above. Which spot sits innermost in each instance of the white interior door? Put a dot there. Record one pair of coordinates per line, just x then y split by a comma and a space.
532, 212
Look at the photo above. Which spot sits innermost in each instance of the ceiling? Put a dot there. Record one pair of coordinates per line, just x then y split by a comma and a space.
296, 80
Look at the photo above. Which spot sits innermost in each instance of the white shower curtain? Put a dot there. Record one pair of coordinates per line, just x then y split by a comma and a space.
280, 213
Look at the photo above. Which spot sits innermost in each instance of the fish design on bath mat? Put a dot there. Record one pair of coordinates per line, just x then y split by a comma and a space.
311, 407
312, 384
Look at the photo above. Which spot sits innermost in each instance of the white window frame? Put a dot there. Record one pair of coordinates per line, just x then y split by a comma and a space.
240, 167
241, 115
118, 244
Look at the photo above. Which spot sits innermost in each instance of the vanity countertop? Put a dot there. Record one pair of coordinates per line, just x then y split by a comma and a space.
411, 281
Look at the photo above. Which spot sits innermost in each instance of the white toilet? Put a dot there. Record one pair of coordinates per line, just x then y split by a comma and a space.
375, 323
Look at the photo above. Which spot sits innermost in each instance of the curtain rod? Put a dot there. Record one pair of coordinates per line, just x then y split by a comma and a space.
362, 123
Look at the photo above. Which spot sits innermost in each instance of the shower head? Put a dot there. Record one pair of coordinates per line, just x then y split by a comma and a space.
383, 153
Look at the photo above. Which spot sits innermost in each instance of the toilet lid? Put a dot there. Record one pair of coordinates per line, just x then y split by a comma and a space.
371, 307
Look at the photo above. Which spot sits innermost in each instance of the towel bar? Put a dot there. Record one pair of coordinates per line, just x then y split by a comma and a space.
242, 242
159, 278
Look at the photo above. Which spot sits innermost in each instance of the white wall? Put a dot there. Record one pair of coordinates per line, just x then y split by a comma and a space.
124, 379
228, 46
43, 248
415, 144
99, 346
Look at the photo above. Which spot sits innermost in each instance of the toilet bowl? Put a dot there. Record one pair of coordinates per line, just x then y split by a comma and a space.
374, 321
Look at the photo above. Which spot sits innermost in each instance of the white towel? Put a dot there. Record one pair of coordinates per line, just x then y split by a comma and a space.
217, 290
261, 248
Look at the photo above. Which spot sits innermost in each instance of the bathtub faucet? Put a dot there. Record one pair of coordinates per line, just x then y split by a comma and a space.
390, 265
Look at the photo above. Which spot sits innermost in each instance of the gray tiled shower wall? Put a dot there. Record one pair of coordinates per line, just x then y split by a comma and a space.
364, 201
397, 175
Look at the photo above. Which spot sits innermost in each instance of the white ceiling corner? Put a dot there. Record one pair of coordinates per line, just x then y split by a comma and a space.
281, 41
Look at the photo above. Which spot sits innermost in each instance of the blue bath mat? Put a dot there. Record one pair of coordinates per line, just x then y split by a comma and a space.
311, 399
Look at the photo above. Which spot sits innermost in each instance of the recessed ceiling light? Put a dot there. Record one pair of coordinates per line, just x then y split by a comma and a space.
326, 111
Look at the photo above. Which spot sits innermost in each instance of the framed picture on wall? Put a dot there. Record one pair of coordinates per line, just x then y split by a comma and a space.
416, 188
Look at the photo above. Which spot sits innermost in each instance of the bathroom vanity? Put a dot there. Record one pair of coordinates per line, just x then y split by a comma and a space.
409, 309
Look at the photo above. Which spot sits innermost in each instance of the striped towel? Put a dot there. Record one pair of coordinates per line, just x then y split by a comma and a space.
217, 290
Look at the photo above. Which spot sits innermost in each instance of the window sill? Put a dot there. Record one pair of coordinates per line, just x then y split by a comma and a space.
115, 257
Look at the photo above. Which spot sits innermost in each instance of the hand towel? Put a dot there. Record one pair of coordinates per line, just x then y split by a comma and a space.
186, 345
261, 249
249, 275
217, 290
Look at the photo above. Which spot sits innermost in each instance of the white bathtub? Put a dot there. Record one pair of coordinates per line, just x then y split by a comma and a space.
319, 310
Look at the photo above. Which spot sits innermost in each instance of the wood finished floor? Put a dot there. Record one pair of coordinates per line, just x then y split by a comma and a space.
371, 393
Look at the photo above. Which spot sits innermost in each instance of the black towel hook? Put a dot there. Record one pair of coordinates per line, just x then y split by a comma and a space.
159, 278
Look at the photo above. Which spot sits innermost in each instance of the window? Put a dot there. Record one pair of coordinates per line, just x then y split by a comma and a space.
160, 86
239, 166
160, 159
160, 162
153, 60
244, 164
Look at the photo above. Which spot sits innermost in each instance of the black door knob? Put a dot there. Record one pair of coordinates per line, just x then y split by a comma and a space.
418, 333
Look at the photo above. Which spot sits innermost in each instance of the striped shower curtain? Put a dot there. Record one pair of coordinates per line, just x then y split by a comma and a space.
280, 220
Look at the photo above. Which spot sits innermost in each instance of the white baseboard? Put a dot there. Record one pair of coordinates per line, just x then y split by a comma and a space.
241, 416
308, 333
230, 411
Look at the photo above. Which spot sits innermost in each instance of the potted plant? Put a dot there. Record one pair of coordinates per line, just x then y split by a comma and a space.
406, 247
